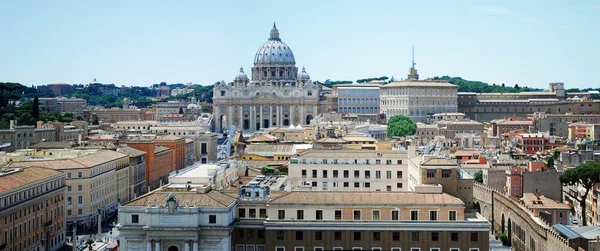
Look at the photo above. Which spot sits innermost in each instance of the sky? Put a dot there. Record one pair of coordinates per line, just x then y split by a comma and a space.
139, 43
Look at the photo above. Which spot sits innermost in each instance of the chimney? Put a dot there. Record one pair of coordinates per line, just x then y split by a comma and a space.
39, 124
12, 125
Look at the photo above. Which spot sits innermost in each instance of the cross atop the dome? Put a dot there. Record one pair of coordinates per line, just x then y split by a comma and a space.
274, 33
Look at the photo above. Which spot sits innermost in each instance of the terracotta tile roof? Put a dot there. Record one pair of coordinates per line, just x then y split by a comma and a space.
168, 138
270, 148
26, 176
130, 151
85, 161
210, 199
531, 201
367, 198
52, 145
263, 138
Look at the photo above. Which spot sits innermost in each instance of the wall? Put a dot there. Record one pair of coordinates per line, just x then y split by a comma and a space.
508, 216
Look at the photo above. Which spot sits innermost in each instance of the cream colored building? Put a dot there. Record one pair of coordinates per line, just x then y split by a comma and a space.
418, 99
32, 209
358, 98
426, 172
349, 170
96, 180
218, 176
275, 95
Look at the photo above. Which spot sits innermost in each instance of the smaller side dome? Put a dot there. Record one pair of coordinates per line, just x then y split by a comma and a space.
303, 75
241, 75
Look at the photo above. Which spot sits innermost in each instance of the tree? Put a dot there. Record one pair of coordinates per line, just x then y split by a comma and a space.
35, 112
478, 176
180, 110
400, 126
585, 175
95, 122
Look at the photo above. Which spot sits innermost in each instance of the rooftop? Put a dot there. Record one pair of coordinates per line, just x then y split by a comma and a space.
533, 201
422, 83
212, 199
25, 176
85, 161
130, 151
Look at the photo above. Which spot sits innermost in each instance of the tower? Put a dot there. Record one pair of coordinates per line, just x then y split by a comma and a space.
412, 72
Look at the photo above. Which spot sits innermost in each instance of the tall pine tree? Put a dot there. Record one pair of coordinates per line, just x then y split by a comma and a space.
36, 109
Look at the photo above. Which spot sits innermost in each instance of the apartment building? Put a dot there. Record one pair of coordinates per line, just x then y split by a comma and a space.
159, 160
91, 180
502, 126
348, 170
32, 209
112, 115
558, 124
425, 172
62, 104
177, 146
359, 221
137, 171
201, 219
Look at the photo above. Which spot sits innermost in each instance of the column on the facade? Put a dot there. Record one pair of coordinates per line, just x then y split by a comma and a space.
270, 115
156, 245
241, 125
279, 115
252, 118
292, 113
149, 245
187, 246
302, 118
217, 118
229, 116
261, 116
195, 246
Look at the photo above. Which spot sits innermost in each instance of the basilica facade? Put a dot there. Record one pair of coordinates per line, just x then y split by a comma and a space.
276, 94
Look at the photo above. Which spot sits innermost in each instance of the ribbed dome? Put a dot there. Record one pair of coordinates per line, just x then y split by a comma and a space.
303, 75
274, 51
241, 75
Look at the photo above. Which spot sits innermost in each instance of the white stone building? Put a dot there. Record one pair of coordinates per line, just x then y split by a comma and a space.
349, 170
275, 95
418, 99
161, 220
358, 98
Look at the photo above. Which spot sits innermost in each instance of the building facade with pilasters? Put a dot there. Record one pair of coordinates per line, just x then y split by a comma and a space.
275, 95
181, 221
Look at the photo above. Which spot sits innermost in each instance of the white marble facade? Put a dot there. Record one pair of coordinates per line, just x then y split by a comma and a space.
275, 95
189, 225
418, 99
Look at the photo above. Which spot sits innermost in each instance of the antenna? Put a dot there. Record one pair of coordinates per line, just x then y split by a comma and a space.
413, 57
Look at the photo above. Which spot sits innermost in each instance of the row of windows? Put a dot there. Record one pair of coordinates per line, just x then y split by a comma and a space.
358, 109
422, 92
354, 161
22, 196
356, 215
300, 248
346, 174
359, 236
336, 184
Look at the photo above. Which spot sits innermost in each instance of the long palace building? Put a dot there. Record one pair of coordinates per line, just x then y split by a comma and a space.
275, 95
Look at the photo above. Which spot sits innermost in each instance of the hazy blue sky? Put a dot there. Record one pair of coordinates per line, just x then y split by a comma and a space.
529, 43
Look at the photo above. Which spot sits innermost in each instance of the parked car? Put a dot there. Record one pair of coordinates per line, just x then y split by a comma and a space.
82, 246
575, 221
